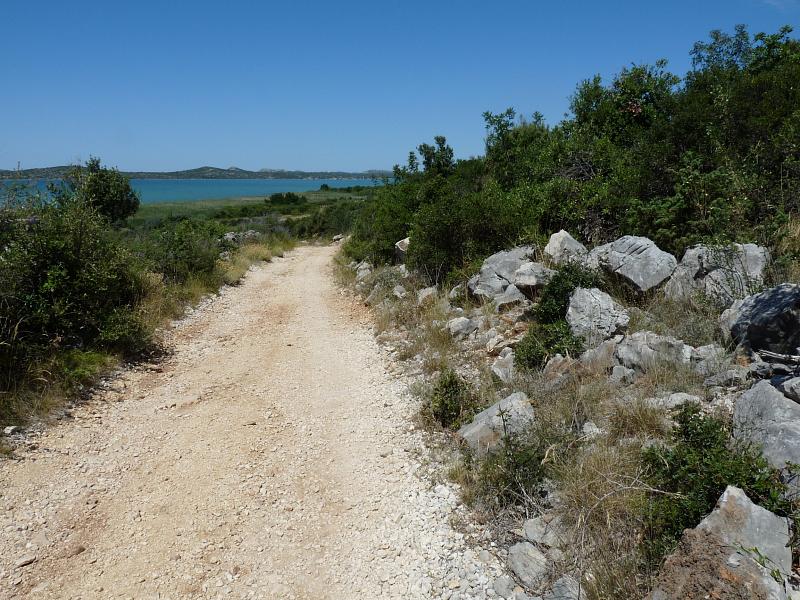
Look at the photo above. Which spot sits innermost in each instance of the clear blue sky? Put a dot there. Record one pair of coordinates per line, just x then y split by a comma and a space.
315, 85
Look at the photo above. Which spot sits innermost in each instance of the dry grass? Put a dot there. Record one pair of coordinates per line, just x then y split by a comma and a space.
637, 418
602, 496
694, 321
665, 377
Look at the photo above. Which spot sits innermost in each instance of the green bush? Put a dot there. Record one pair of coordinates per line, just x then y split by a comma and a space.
188, 247
329, 220
693, 470
511, 474
709, 157
543, 341
554, 297
452, 400
107, 190
65, 282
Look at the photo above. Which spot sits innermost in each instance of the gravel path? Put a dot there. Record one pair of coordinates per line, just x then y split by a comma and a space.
271, 455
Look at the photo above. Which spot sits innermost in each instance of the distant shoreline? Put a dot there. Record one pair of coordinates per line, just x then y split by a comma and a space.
201, 173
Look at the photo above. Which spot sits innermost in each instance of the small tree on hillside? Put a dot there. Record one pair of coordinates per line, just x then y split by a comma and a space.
108, 190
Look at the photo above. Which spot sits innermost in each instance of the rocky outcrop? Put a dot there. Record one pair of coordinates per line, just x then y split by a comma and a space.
723, 556
723, 273
510, 297
595, 316
503, 366
769, 320
563, 248
363, 270
770, 420
497, 272
532, 276
461, 327
643, 350
511, 416
529, 564
636, 260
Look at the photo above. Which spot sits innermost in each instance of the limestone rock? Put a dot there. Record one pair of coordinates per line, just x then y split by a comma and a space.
426, 296
532, 276
497, 272
509, 298
764, 416
637, 260
566, 588
595, 316
544, 531
363, 270
769, 320
528, 563
510, 416
602, 356
720, 557
562, 248
724, 273
461, 327
503, 366
401, 249
644, 349
791, 388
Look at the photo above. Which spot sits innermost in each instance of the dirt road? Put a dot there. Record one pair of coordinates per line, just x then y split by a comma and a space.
269, 456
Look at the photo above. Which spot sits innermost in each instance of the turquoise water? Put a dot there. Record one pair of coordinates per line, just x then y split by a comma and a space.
152, 191
173, 190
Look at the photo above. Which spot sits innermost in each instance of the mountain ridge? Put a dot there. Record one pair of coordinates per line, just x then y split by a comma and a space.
205, 172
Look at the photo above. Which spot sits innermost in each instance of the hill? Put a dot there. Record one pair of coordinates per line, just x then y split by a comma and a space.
201, 173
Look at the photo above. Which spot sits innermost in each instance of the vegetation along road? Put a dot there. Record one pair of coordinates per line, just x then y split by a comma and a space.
269, 456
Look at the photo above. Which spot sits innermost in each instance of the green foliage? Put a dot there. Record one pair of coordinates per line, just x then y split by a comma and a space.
692, 471
555, 295
105, 189
452, 400
713, 156
66, 282
511, 474
184, 248
543, 341
327, 220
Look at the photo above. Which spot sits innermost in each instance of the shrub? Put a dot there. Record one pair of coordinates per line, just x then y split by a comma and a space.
107, 190
67, 287
554, 297
188, 247
693, 471
452, 400
542, 341
64, 277
510, 474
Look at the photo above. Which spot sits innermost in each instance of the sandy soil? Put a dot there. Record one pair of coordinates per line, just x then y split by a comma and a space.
269, 456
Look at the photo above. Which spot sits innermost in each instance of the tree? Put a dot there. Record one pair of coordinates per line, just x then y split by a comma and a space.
106, 189
438, 159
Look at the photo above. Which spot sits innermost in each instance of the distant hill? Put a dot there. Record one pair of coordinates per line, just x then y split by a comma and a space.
201, 173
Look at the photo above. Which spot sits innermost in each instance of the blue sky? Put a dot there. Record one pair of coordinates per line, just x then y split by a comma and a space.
315, 85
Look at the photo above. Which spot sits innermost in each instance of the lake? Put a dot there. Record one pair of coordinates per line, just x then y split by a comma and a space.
173, 190
152, 191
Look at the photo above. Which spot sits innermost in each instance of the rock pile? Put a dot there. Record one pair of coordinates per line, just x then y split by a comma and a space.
763, 325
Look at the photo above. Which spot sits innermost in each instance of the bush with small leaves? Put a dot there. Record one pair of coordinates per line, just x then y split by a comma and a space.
554, 297
543, 341
693, 470
452, 400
